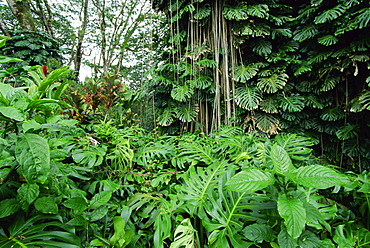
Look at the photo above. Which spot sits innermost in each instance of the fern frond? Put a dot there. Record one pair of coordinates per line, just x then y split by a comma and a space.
272, 84
247, 98
330, 14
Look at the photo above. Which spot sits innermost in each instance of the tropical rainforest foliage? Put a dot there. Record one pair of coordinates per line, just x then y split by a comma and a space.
204, 123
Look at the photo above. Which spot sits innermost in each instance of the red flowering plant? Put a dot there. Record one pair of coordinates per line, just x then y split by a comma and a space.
95, 99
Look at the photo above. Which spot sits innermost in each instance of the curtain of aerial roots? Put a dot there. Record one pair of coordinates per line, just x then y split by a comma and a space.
222, 47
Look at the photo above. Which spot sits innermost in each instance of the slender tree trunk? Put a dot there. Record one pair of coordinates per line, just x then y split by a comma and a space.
81, 35
22, 11
43, 10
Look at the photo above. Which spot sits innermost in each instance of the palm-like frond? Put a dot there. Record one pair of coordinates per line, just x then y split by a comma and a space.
292, 103
269, 104
261, 46
187, 112
296, 146
328, 40
167, 117
273, 83
243, 73
330, 14
305, 32
247, 97
332, 114
267, 123
201, 82
182, 93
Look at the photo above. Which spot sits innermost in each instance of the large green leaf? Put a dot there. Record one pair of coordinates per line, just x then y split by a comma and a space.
227, 212
27, 193
185, 235
247, 98
273, 83
33, 154
8, 207
13, 113
281, 160
100, 199
258, 232
46, 205
292, 211
250, 180
320, 177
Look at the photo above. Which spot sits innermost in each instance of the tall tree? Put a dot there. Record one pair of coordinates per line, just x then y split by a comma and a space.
22, 11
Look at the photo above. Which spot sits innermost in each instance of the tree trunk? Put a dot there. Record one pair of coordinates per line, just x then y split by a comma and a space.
81, 35
22, 11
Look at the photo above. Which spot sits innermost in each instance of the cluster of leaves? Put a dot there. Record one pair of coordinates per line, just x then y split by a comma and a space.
303, 67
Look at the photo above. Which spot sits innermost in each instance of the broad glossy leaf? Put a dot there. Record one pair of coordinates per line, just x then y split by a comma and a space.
100, 199
184, 235
162, 227
309, 240
46, 205
319, 177
33, 154
281, 160
8, 207
27, 193
258, 232
13, 113
250, 180
98, 213
285, 240
293, 212
76, 203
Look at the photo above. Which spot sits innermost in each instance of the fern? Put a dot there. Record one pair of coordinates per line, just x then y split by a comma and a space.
330, 14
292, 103
261, 47
182, 93
244, 73
247, 98
187, 112
305, 32
272, 84
328, 40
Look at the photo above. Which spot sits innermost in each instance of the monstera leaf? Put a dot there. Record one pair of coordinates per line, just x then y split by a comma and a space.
247, 98
273, 83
